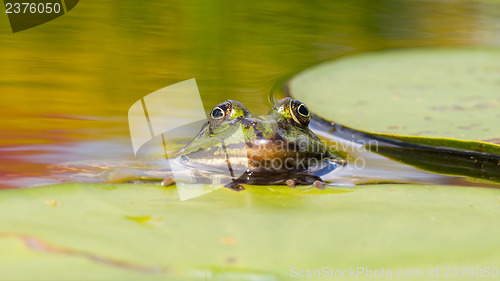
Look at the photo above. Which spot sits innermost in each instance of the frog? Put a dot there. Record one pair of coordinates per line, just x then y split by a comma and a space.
233, 148
278, 148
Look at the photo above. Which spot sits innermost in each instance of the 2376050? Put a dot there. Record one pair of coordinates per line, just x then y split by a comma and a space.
32, 8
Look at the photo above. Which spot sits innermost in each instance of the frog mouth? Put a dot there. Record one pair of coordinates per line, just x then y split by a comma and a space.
215, 164
208, 173
240, 165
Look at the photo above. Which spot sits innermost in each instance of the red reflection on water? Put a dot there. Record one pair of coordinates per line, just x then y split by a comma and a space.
35, 155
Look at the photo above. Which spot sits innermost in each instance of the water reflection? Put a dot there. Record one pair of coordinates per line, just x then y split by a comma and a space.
67, 85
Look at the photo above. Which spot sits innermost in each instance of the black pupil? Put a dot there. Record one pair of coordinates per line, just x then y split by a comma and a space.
303, 110
217, 113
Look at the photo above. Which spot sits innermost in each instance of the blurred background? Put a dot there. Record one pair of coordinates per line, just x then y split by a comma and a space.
66, 86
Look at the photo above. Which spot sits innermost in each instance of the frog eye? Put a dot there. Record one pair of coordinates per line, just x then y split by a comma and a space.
302, 110
300, 113
217, 113
220, 113
228, 112
221, 110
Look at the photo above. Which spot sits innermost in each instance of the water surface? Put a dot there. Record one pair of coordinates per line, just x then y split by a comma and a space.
66, 86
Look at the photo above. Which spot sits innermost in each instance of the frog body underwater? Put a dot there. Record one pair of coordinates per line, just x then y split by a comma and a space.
278, 148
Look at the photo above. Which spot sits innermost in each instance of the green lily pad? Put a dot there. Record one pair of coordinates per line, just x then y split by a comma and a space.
143, 232
451, 93
444, 101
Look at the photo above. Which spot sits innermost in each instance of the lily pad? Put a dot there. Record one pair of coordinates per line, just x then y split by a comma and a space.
451, 93
143, 232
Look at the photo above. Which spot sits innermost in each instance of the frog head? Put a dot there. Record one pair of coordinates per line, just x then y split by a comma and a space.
278, 142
